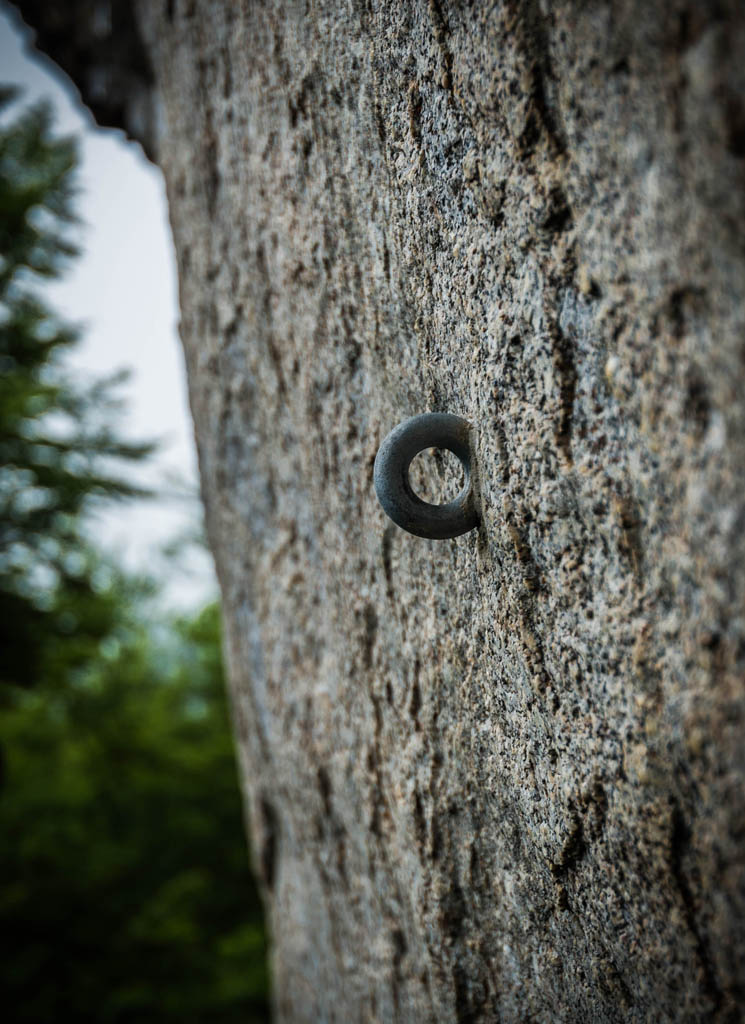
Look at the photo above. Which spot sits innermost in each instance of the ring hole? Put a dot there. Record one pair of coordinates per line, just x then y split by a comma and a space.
436, 476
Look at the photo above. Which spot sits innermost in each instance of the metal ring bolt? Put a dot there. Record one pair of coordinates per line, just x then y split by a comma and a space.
391, 476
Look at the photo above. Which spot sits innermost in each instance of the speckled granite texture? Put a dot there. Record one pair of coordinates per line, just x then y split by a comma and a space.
497, 778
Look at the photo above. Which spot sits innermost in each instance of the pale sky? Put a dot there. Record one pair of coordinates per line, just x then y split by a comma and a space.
123, 291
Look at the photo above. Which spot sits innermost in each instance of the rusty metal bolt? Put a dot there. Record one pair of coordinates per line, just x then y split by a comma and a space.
391, 476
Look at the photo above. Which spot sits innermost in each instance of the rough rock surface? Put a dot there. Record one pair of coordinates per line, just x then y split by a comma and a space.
498, 777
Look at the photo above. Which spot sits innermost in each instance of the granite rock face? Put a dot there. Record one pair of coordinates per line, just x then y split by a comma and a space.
501, 777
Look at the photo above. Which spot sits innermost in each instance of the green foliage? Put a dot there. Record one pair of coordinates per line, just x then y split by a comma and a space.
58, 446
127, 894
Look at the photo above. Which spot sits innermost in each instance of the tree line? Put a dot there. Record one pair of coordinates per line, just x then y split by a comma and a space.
126, 890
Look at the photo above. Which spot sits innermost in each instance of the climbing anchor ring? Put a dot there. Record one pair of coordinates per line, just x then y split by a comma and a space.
391, 476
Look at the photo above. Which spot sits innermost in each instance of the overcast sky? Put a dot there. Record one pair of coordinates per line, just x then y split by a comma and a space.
123, 290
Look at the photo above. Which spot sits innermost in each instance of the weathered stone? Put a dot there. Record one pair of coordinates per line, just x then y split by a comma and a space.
498, 777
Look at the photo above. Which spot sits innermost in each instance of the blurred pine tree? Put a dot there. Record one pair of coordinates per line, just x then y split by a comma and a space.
59, 451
